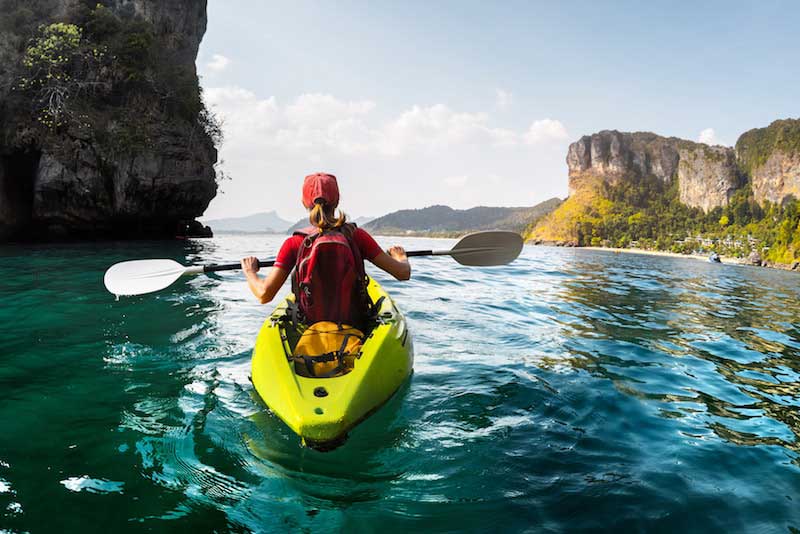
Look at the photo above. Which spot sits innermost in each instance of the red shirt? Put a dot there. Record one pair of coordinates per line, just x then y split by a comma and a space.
287, 255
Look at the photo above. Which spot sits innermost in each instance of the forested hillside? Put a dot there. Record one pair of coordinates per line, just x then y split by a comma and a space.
619, 199
444, 220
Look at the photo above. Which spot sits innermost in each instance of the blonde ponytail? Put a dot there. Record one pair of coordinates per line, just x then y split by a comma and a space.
325, 219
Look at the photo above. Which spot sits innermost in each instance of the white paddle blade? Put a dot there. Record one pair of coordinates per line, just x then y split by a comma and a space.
142, 276
486, 249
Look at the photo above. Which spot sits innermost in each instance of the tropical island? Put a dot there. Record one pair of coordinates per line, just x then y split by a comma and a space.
643, 191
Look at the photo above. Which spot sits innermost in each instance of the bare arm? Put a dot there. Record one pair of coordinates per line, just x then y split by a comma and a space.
394, 263
265, 288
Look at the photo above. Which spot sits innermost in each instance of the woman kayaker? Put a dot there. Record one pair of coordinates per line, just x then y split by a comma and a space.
321, 197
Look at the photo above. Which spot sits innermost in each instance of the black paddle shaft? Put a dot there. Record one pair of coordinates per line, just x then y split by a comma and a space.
234, 266
501, 247
270, 263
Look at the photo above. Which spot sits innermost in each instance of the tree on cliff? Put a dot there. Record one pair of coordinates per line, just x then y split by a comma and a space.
56, 63
70, 67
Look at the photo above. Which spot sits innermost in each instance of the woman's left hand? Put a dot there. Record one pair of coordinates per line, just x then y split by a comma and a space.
398, 253
250, 264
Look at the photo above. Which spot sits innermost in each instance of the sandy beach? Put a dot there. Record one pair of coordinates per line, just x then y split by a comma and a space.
731, 260
723, 259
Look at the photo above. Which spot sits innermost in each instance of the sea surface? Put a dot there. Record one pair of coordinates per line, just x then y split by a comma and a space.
572, 390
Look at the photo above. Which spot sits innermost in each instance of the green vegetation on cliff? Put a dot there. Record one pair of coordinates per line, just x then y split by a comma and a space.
96, 73
646, 213
617, 214
754, 147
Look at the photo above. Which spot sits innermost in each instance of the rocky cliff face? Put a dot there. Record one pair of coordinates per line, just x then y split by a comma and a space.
778, 178
180, 24
771, 157
133, 153
707, 176
643, 190
766, 158
618, 155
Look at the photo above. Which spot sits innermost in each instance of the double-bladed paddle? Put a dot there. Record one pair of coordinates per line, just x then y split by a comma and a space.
137, 277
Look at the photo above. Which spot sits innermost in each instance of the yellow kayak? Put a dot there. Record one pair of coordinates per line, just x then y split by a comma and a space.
322, 410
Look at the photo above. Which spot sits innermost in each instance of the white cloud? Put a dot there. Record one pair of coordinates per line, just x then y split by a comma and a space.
320, 110
310, 122
709, 137
502, 99
545, 130
438, 127
218, 63
412, 157
324, 122
456, 181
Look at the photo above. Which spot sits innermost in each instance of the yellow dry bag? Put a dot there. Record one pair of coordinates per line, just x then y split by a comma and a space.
327, 349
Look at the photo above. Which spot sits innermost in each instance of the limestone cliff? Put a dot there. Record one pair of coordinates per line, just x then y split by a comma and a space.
617, 155
644, 190
107, 137
771, 157
707, 176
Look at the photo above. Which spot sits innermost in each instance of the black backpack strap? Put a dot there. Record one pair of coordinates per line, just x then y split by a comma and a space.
309, 362
375, 308
341, 352
362, 279
309, 237
294, 315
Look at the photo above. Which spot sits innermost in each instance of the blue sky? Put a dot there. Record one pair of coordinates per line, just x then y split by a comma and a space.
472, 103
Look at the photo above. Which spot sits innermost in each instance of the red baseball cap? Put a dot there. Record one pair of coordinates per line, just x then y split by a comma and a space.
320, 186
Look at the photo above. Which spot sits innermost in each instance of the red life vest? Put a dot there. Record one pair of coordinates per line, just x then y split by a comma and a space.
329, 280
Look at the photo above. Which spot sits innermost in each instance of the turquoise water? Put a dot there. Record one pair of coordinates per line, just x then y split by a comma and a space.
571, 391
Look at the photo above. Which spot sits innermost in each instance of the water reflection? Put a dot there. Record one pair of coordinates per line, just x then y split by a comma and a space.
721, 344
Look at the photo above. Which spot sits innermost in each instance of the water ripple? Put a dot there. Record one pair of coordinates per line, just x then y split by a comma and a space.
571, 391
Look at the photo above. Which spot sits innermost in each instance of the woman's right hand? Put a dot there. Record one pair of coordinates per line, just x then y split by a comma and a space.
250, 265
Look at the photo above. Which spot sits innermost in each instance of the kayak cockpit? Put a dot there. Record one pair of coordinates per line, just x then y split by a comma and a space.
322, 408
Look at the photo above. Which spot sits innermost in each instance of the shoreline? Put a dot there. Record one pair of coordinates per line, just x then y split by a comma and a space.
729, 260
667, 254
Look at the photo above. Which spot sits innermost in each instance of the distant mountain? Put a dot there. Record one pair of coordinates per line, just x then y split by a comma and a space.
445, 220
268, 221
361, 221
299, 225
302, 223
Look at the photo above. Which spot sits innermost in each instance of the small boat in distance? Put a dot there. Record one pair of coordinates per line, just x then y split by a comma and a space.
714, 258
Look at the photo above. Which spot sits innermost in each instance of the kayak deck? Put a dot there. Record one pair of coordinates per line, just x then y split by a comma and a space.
323, 410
